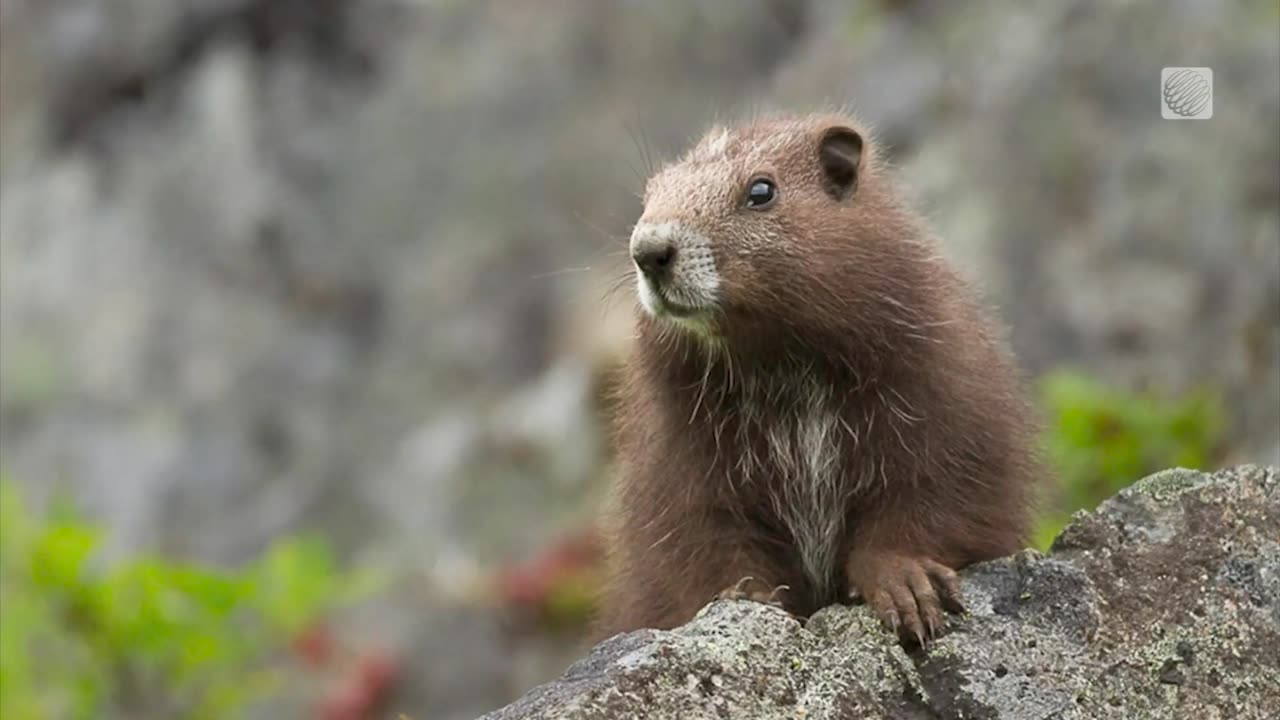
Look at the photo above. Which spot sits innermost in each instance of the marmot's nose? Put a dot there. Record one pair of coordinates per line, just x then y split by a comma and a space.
654, 256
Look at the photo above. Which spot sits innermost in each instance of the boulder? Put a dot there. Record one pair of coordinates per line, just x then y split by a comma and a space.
1162, 603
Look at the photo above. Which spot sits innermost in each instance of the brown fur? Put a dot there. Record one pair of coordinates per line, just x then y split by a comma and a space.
831, 303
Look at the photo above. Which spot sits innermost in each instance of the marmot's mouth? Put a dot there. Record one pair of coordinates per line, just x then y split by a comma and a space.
662, 304
673, 308
657, 300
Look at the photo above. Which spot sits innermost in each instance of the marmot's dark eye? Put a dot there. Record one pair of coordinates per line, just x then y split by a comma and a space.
761, 194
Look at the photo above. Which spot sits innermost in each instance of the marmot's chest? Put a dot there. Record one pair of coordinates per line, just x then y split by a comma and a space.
800, 461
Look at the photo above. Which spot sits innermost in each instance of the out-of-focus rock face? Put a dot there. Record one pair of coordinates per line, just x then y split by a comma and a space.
276, 263
1143, 249
1164, 603
273, 262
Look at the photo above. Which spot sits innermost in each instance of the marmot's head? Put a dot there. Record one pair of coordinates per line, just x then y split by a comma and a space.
765, 226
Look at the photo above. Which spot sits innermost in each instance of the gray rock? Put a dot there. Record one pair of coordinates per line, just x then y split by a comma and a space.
1162, 603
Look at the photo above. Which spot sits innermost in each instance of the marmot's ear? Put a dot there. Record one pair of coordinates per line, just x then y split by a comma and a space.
839, 157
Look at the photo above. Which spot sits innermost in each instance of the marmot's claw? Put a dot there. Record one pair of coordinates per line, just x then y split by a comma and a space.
768, 597
909, 594
737, 591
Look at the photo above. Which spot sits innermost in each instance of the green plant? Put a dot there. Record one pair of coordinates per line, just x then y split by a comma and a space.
148, 636
1099, 439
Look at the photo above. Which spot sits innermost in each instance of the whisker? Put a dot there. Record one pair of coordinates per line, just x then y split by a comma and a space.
562, 271
613, 237
641, 148
702, 389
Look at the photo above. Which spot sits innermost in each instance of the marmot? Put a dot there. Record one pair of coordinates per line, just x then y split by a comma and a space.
817, 407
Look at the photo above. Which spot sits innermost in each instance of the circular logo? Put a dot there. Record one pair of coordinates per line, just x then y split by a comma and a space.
1186, 92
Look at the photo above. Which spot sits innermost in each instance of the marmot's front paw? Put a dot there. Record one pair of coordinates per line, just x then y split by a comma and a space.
739, 591
907, 593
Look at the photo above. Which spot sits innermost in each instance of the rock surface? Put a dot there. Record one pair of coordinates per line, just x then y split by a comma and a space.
1163, 603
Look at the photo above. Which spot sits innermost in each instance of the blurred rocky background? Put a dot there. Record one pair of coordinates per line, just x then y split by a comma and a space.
343, 268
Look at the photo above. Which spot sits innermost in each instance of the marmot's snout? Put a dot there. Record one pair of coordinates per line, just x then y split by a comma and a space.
675, 271
653, 256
